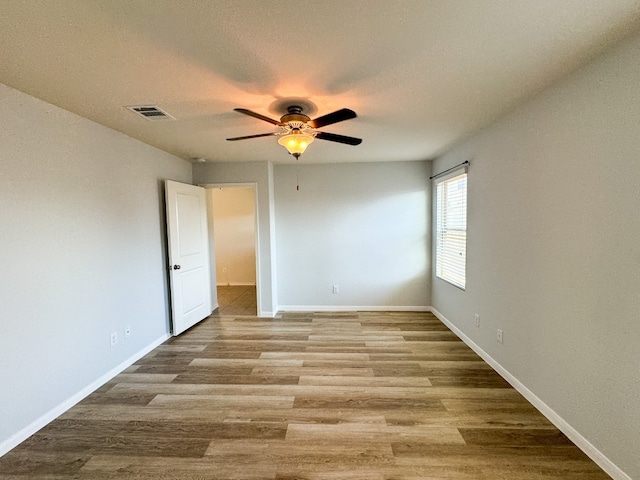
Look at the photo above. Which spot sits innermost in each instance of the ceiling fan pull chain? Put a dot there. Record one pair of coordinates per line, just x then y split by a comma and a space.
297, 175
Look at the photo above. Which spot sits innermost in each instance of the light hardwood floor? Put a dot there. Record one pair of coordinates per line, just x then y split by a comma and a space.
327, 396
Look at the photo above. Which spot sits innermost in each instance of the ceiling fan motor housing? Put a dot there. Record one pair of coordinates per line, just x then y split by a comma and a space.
295, 115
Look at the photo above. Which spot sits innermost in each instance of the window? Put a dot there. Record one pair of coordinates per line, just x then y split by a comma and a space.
451, 229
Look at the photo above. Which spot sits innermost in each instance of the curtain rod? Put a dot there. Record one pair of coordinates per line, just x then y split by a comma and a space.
466, 162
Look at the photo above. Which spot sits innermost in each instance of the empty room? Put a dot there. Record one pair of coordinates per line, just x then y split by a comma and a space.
425, 264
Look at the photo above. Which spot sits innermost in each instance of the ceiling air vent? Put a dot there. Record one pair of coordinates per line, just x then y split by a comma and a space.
151, 112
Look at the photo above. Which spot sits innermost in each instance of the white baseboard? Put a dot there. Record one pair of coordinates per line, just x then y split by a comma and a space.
55, 412
582, 443
351, 308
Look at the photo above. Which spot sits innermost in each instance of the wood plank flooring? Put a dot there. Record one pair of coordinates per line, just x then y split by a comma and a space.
367, 396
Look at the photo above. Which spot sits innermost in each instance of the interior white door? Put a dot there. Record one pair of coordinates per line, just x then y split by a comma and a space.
188, 240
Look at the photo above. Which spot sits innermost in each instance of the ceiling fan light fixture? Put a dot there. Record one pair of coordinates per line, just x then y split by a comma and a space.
298, 131
296, 142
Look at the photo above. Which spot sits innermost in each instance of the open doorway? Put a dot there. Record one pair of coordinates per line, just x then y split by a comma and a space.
234, 239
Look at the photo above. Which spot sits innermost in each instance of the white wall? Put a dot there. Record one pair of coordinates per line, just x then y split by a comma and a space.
364, 227
81, 229
260, 173
234, 235
554, 251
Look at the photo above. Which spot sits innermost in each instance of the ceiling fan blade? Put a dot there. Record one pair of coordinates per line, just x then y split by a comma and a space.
258, 116
252, 136
332, 137
335, 117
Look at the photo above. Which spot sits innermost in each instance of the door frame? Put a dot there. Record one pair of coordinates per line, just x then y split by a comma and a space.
256, 247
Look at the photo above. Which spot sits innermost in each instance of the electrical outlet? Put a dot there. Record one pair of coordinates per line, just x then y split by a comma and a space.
336, 289
114, 338
224, 269
127, 331
499, 335
477, 320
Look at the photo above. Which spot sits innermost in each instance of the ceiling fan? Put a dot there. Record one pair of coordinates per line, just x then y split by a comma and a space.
298, 130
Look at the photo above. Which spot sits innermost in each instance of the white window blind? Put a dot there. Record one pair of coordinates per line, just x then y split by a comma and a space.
451, 229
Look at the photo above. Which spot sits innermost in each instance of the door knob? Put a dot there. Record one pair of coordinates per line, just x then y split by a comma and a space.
176, 267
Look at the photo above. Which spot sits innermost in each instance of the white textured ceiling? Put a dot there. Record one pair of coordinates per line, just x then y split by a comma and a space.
420, 74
